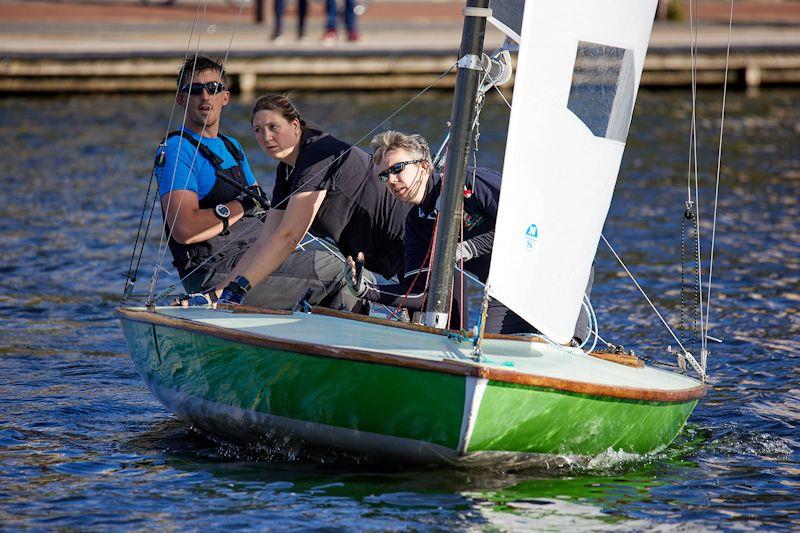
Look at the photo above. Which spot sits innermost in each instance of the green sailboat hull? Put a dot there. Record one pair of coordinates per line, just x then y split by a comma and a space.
562, 423
251, 388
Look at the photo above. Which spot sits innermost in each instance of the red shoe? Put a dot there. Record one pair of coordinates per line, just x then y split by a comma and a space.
329, 37
352, 36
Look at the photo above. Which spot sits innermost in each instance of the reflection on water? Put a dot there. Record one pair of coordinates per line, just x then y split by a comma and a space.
84, 445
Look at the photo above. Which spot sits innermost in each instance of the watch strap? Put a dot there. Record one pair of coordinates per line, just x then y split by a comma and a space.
225, 220
243, 283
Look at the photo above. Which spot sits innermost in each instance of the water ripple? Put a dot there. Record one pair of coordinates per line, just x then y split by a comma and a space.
83, 445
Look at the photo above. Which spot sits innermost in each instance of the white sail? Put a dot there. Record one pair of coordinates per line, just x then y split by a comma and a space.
577, 75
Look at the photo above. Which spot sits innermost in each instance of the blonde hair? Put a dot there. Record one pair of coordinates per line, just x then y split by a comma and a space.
395, 140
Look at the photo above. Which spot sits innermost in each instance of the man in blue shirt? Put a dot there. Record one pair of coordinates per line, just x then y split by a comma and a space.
209, 217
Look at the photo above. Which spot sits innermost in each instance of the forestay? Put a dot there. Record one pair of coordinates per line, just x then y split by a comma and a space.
577, 76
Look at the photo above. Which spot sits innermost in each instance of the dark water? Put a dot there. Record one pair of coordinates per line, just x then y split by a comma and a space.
84, 445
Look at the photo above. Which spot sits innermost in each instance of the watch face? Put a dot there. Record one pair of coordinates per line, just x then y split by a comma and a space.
222, 211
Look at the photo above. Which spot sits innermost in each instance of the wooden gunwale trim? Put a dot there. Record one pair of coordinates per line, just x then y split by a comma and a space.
252, 310
619, 358
622, 359
450, 367
459, 368
381, 321
591, 389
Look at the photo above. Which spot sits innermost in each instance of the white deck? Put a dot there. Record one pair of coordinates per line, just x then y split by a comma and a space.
526, 357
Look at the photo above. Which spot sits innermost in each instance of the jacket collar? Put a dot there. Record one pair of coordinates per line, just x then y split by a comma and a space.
433, 188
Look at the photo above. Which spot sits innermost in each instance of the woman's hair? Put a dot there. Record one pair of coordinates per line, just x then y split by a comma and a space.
395, 140
279, 104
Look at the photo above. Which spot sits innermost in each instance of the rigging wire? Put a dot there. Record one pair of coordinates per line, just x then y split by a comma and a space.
694, 28
716, 189
132, 275
502, 96
162, 247
685, 353
692, 156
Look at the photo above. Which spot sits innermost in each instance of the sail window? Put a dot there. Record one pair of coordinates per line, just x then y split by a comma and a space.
507, 17
602, 90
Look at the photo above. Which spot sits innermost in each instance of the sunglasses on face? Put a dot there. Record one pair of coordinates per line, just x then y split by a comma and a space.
212, 88
396, 169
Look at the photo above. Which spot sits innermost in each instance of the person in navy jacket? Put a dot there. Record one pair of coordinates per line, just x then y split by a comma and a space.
404, 164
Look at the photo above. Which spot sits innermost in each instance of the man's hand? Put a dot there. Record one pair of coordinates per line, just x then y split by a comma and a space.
250, 205
234, 292
465, 251
198, 299
352, 275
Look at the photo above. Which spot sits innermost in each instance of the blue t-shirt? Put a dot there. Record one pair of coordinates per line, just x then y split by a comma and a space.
179, 173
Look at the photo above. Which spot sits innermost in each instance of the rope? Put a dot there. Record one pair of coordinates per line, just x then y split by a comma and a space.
693, 123
432, 250
716, 188
464, 303
414, 281
331, 250
692, 170
594, 326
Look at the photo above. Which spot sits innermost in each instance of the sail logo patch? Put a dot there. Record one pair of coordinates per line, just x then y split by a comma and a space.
531, 237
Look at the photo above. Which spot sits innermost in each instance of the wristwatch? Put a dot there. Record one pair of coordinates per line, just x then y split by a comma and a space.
243, 283
235, 291
223, 213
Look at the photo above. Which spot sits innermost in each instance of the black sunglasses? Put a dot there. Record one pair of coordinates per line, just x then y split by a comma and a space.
396, 169
212, 88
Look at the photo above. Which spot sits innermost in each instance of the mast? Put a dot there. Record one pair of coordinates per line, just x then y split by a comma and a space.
461, 119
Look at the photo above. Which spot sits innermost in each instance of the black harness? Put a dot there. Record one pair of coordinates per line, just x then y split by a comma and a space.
220, 251
222, 191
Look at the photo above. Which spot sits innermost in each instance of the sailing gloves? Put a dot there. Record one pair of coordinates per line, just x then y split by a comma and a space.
234, 292
197, 299
253, 207
353, 271
466, 251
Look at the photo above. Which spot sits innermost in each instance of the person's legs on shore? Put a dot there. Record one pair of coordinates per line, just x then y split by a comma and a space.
350, 20
330, 24
278, 28
302, 11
